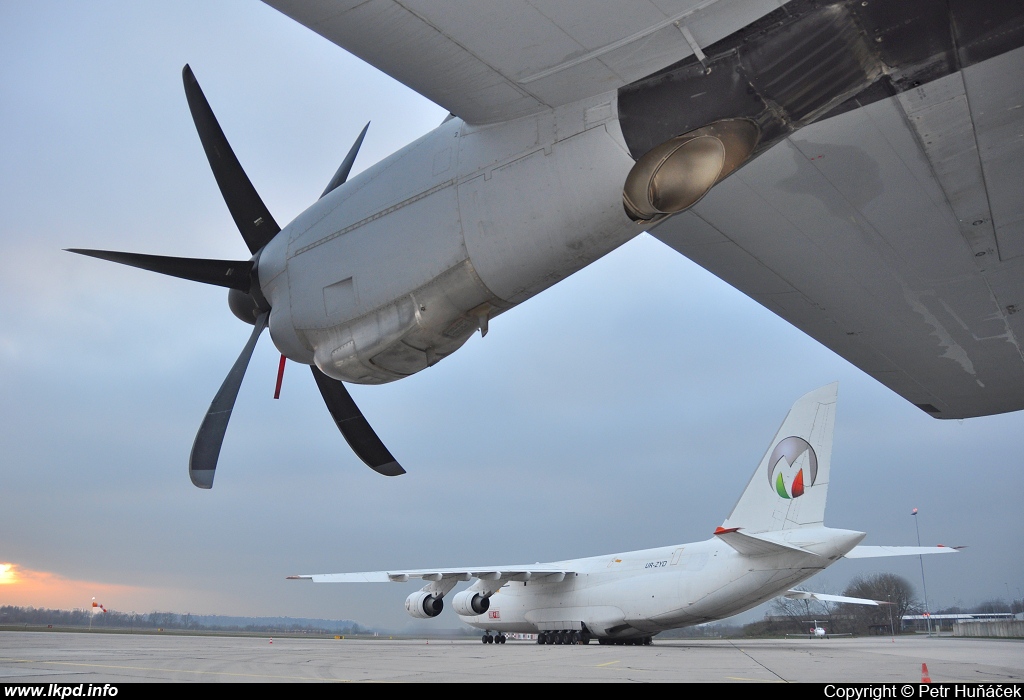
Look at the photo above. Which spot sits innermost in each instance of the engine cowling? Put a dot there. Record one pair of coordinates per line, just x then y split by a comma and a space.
469, 603
424, 605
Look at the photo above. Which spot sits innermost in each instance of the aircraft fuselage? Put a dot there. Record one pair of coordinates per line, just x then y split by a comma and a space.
652, 590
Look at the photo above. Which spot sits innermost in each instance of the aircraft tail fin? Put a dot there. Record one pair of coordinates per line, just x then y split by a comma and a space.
790, 486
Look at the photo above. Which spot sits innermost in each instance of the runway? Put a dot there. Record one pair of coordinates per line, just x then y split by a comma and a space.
41, 657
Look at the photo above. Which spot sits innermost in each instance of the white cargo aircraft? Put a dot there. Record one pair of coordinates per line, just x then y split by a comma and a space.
774, 538
853, 166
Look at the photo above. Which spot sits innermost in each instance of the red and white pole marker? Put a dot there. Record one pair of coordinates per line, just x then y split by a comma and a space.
280, 377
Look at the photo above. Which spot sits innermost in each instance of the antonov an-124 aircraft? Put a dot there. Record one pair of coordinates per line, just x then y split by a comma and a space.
774, 539
854, 166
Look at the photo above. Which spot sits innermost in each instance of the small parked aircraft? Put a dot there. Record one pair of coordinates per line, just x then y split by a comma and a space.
818, 632
774, 538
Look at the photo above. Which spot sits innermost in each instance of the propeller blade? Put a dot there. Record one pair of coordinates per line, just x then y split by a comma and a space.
354, 427
347, 416
251, 215
346, 165
202, 463
233, 274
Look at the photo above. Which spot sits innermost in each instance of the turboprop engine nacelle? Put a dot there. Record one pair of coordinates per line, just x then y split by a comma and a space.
423, 605
469, 603
394, 271
409, 334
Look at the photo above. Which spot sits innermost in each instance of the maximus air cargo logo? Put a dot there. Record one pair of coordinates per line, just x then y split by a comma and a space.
784, 460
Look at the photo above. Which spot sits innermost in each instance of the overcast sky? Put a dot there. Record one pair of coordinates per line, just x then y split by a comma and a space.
624, 408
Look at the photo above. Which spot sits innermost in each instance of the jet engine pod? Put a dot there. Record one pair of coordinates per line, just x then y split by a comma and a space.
674, 175
424, 605
469, 603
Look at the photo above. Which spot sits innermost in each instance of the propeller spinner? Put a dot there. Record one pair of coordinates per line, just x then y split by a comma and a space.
258, 228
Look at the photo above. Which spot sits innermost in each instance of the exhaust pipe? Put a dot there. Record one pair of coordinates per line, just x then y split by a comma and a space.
676, 174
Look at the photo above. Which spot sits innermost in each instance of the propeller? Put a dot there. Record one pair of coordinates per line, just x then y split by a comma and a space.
233, 274
202, 463
251, 215
356, 429
346, 165
258, 228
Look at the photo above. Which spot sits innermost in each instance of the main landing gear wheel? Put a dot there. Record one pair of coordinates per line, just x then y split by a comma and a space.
565, 637
631, 642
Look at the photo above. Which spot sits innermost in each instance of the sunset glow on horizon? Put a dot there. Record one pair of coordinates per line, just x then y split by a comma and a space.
43, 589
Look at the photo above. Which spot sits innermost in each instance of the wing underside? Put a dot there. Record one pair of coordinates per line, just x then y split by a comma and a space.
894, 235
493, 60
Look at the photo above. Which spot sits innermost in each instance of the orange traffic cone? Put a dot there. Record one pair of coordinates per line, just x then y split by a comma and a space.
925, 678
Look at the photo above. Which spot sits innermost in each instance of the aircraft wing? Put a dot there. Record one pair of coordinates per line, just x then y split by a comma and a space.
894, 235
492, 60
869, 551
807, 595
487, 573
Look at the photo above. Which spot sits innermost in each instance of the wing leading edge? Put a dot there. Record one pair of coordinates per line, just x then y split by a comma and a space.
486, 573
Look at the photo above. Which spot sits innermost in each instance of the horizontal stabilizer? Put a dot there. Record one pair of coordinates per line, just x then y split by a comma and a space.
233, 274
825, 597
869, 551
752, 545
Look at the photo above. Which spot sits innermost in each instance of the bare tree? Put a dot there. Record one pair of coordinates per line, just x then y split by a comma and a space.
803, 613
890, 588
996, 605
